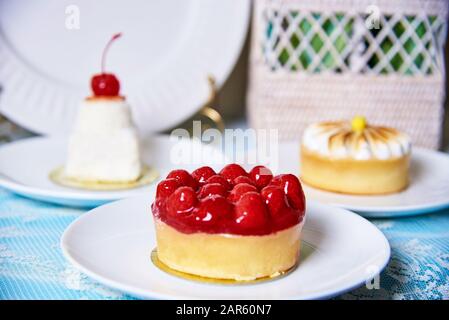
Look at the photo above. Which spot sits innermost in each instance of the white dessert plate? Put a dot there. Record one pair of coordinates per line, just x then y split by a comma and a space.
25, 166
428, 190
112, 244
50, 49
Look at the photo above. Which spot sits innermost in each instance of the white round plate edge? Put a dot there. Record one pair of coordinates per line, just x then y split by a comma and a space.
66, 196
401, 211
71, 194
136, 292
387, 211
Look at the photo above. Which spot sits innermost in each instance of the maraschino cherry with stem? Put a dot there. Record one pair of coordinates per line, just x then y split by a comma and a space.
106, 84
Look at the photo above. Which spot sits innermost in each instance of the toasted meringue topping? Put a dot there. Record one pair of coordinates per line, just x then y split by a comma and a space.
351, 139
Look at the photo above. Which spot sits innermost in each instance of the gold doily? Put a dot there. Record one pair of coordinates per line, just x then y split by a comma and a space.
148, 176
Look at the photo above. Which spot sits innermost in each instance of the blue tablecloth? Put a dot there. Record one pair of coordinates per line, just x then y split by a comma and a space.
32, 265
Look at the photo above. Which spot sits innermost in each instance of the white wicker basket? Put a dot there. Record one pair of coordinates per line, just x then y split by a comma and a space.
315, 60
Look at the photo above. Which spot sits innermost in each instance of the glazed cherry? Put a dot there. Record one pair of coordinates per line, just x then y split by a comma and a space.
106, 84
251, 212
182, 201
212, 209
232, 171
239, 190
202, 174
261, 176
219, 179
212, 189
166, 187
184, 178
275, 199
292, 188
231, 202
243, 179
287, 217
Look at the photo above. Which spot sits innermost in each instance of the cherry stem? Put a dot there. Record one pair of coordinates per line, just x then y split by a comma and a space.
106, 48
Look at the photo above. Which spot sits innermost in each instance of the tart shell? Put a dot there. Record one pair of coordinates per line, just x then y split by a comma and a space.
353, 176
227, 256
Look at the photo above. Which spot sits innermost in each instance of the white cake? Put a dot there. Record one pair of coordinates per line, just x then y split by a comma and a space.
104, 144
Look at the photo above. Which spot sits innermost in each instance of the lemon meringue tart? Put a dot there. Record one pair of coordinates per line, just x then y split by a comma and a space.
355, 157
232, 225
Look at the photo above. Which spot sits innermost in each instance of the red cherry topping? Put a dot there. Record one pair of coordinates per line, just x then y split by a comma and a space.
232, 171
219, 179
212, 209
166, 187
243, 179
239, 190
251, 212
202, 174
261, 176
292, 188
212, 189
106, 84
287, 217
231, 202
182, 201
184, 178
275, 199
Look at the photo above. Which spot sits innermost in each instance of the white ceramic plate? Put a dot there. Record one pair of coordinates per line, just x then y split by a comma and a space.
168, 49
25, 166
112, 244
428, 190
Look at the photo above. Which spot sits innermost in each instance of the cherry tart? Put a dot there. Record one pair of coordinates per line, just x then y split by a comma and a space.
229, 225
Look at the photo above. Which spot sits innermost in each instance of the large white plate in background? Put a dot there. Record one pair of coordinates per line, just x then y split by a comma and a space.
168, 49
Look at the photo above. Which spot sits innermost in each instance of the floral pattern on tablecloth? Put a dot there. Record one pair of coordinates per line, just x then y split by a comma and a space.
419, 264
31, 261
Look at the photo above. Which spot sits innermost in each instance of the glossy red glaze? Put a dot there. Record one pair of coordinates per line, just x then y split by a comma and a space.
261, 176
232, 171
210, 189
239, 190
219, 179
251, 214
183, 177
105, 84
212, 211
181, 202
243, 179
202, 174
292, 188
213, 203
166, 187
275, 199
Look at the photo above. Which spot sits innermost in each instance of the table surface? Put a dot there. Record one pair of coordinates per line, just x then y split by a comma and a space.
32, 265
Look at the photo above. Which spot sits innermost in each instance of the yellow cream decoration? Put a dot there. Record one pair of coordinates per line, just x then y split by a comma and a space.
358, 123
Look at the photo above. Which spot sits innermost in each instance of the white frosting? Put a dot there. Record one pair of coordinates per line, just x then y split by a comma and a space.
339, 141
104, 144
102, 115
